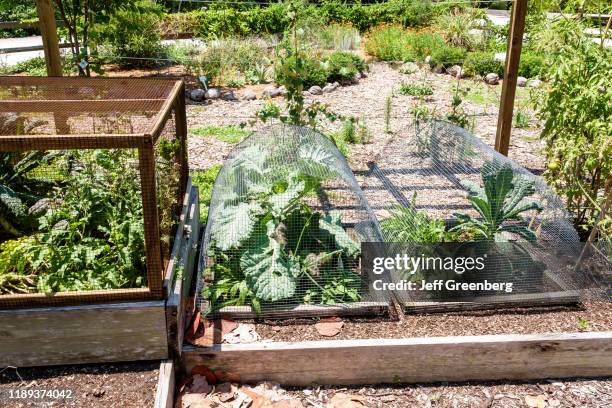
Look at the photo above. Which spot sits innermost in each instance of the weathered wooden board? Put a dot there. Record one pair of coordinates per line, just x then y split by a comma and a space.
83, 334
346, 309
164, 395
434, 359
180, 270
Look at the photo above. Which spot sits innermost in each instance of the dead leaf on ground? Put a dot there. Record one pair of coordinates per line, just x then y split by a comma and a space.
243, 333
538, 401
329, 327
192, 400
199, 385
259, 401
341, 400
206, 372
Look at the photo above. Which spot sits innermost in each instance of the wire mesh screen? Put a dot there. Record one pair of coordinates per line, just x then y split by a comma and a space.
441, 188
91, 183
284, 230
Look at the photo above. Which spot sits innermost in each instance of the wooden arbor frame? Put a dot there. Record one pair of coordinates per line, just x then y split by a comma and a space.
159, 97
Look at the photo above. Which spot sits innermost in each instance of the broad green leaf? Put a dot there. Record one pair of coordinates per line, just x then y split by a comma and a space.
234, 225
317, 161
332, 224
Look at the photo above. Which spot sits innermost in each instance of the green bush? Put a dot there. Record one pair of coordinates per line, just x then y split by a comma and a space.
339, 37
415, 89
131, 34
446, 56
228, 20
482, 63
531, 64
311, 71
343, 66
388, 43
577, 118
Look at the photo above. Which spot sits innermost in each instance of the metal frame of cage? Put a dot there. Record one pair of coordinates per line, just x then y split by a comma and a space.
164, 104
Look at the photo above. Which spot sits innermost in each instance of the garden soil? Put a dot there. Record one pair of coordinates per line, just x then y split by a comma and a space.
125, 385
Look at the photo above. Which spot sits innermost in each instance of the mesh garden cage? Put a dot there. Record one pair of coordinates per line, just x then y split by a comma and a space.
284, 230
93, 173
455, 196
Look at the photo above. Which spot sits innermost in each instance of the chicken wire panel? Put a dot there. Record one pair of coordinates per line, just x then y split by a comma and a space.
81, 106
70, 221
448, 186
167, 150
284, 229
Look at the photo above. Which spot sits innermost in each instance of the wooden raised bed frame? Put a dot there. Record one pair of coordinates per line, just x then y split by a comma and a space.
68, 103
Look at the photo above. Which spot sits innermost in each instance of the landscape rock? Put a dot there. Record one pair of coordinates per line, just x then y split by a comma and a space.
213, 93
534, 83
249, 96
356, 78
197, 95
282, 90
492, 79
521, 81
271, 92
455, 71
315, 90
336, 85
229, 96
363, 74
328, 88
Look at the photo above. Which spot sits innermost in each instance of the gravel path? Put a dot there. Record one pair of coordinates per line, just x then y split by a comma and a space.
367, 100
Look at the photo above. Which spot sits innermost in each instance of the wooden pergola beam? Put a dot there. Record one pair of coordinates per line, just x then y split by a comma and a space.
513, 55
48, 30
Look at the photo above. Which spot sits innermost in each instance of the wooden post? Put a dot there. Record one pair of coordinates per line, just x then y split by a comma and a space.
48, 30
513, 55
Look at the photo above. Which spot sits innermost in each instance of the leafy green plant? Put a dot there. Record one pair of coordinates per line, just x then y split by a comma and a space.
355, 131
227, 134
583, 324
457, 115
268, 242
531, 64
236, 83
521, 119
413, 89
312, 71
482, 63
577, 115
504, 198
343, 66
406, 224
90, 236
131, 34
389, 43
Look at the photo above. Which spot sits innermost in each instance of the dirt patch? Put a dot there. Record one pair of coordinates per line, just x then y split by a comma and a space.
104, 385
596, 314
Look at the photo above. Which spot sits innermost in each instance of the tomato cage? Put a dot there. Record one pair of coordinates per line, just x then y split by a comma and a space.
442, 193
284, 230
93, 178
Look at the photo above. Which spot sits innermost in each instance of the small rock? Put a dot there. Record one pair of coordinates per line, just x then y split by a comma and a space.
363, 75
282, 90
98, 393
249, 96
455, 71
271, 92
534, 83
197, 95
388, 398
356, 78
61, 225
229, 96
315, 90
213, 93
438, 69
492, 79
336, 85
521, 81
306, 93
41, 206
328, 88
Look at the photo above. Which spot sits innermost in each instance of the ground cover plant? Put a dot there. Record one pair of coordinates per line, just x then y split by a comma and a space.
86, 233
227, 134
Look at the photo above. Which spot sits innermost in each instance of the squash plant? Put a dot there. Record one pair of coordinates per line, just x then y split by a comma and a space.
269, 246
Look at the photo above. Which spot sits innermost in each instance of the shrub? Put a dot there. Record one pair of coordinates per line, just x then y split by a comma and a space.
343, 66
388, 43
446, 56
312, 72
578, 122
531, 64
205, 180
482, 63
342, 37
132, 33
226, 58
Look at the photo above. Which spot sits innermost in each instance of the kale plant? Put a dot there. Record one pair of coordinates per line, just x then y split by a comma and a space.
503, 199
